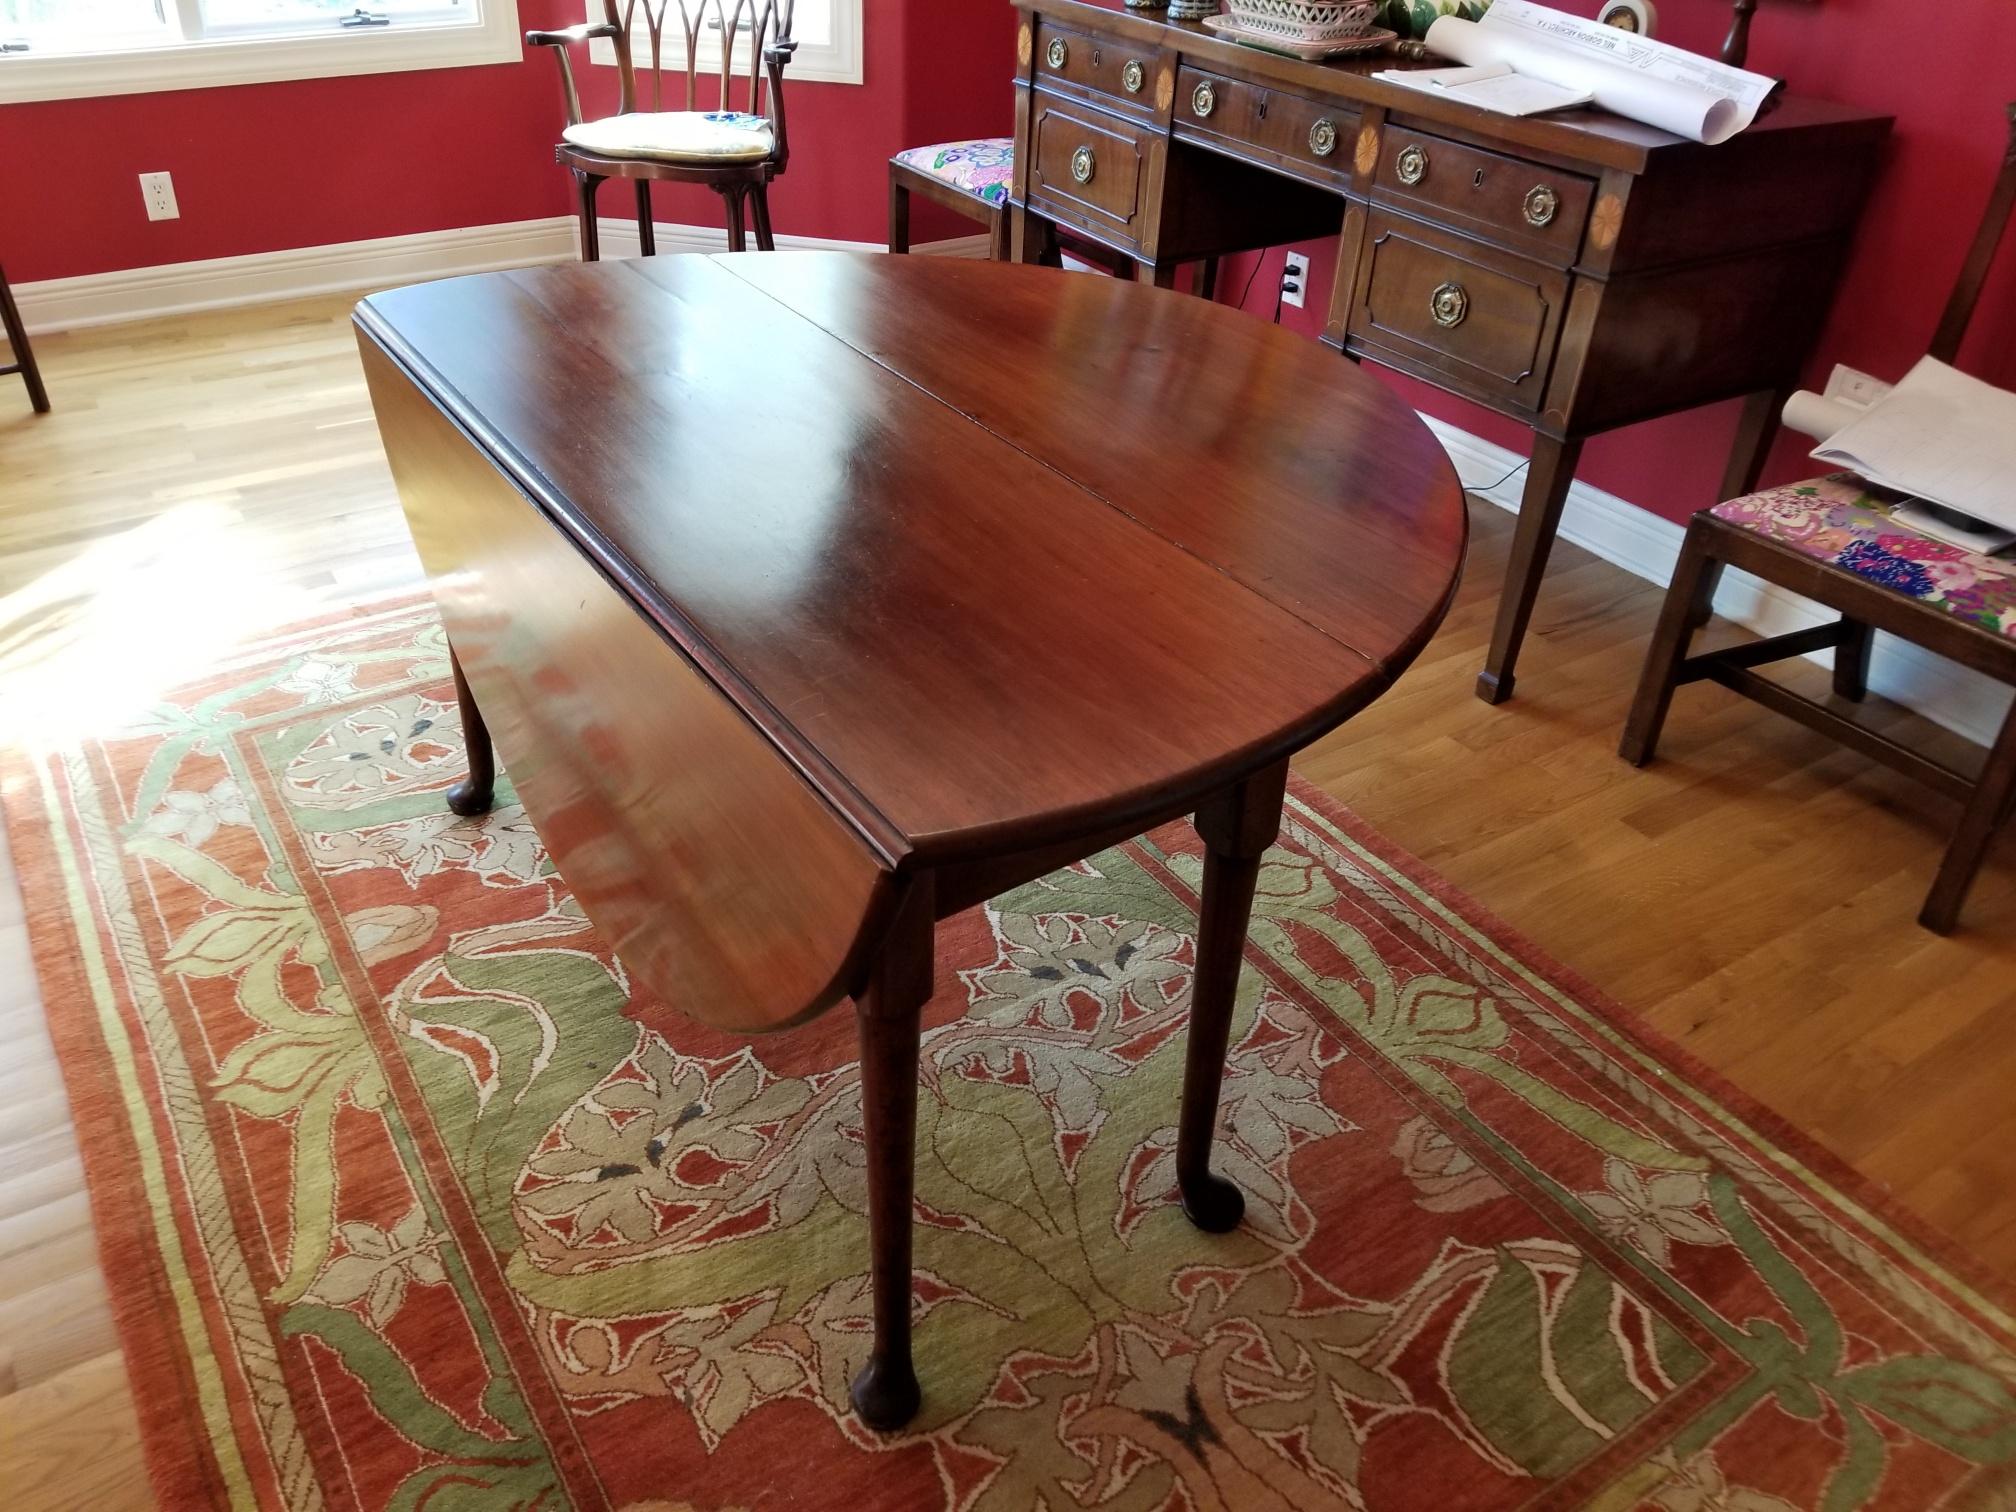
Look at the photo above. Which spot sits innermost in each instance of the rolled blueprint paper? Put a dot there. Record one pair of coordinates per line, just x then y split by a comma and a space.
1678, 108
1821, 418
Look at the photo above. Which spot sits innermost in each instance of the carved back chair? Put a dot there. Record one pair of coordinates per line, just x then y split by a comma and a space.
1834, 540
734, 152
23, 361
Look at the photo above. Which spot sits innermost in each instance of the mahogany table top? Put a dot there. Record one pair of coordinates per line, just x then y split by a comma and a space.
989, 551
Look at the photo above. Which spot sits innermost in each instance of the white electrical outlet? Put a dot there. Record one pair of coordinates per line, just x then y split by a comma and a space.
158, 190
1294, 279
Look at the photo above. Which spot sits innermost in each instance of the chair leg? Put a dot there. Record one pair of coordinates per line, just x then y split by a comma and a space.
731, 194
591, 235
1851, 659
647, 229
24, 355
1207, 279
1000, 232
1689, 603
759, 212
899, 217
1985, 811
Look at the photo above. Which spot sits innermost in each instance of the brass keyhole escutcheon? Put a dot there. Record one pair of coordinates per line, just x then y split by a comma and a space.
1133, 76
1203, 99
1083, 165
1323, 137
1411, 165
1449, 304
1056, 52
1541, 203
1098, 57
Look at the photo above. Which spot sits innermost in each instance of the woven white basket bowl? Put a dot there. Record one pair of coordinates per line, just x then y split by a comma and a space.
1313, 21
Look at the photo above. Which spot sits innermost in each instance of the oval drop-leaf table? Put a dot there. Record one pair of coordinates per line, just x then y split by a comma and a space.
925, 576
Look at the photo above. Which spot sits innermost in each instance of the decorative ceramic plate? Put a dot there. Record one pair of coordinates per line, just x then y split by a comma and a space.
1309, 52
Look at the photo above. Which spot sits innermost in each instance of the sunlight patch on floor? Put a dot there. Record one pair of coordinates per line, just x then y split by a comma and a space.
91, 645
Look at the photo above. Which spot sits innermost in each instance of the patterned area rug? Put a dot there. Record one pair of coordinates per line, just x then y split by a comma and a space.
400, 1211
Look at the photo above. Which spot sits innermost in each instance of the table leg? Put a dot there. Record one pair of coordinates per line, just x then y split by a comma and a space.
1547, 483
1237, 827
887, 1009
474, 793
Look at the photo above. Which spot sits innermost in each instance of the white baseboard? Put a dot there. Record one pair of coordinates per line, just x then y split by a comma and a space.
1648, 546
58, 304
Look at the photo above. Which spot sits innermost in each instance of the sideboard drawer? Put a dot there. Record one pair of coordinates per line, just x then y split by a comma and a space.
1088, 163
1310, 138
1464, 314
1120, 71
1536, 209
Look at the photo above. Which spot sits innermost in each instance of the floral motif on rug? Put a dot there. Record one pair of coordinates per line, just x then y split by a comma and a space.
400, 1210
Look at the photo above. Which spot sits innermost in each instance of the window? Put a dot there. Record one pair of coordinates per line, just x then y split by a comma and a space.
61, 49
828, 34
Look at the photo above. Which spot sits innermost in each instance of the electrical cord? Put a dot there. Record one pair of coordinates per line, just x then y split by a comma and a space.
1258, 260
1485, 488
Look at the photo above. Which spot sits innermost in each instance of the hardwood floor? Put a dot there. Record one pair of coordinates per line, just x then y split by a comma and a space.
1751, 893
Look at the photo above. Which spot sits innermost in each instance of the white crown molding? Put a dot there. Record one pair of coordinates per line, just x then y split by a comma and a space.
1648, 546
58, 304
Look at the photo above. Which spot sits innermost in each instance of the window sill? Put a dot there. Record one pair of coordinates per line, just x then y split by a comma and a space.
262, 60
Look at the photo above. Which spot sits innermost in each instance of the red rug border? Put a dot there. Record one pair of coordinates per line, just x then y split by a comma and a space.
1745, 1105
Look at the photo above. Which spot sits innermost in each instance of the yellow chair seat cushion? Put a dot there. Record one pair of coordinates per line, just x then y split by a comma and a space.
677, 136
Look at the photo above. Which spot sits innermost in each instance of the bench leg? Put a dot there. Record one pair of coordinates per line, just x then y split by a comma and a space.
1690, 600
887, 1010
1983, 815
899, 217
1237, 827
1851, 659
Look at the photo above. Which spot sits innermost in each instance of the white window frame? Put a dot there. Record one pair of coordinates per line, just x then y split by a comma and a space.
263, 58
835, 62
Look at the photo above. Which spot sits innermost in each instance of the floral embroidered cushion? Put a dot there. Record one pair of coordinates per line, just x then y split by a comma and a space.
982, 167
1840, 521
715, 136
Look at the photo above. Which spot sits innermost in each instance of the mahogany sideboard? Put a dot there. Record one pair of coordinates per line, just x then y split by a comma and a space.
1575, 272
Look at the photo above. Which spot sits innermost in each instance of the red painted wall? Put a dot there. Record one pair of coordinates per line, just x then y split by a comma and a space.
260, 167
1946, 82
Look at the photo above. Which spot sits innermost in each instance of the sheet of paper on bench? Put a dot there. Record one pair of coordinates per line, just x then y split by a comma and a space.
1939, 435
1492, 87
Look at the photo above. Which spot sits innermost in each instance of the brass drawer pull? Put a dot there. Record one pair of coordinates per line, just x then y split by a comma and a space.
1133, 76
1083, 165
1541, 203
1057, 52
1449, 304
1323, 137
1203, 99
1411, 165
